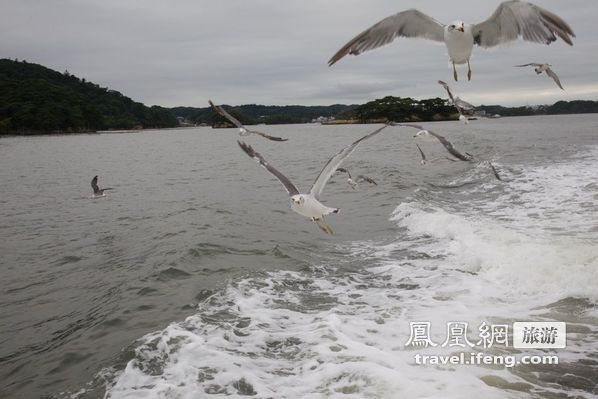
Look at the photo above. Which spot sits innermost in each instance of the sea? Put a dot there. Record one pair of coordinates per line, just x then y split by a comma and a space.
192, 278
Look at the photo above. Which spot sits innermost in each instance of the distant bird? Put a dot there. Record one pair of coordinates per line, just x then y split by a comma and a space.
354, 183
512, 19
98, 192
243, 131
308, 205
461, 105
447, 144
539, 68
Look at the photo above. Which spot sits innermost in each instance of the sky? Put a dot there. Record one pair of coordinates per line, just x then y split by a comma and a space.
184, 52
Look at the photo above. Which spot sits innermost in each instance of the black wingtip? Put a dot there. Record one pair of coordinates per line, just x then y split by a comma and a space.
246, 148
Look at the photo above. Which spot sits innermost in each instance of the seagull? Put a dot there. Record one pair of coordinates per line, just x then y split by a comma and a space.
308, 205
447, 144
243, 131
97, 192
539, 68
512, 19
461, 105
360, 178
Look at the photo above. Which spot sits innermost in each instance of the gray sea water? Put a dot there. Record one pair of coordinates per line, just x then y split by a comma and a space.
193, 278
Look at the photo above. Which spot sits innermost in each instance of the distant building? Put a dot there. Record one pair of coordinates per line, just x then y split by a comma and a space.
321, 119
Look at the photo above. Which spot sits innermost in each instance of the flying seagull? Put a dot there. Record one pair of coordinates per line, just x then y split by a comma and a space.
98, 192
359, 179
243, 131
308, 205
539, 68
461, 105
447, 144
512, 19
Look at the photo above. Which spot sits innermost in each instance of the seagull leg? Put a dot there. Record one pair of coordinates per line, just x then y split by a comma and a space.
455, 73
468, 70
323, 226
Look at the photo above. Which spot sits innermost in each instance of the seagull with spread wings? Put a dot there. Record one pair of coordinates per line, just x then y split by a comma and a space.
360, 178
243, 131
308, 204
97, 191
539, 68
447, 144
511, 20
461, 105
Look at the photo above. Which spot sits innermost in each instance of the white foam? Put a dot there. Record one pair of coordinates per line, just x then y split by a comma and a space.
332, 333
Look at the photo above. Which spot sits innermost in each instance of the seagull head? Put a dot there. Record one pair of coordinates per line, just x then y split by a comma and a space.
297, 199
457, 25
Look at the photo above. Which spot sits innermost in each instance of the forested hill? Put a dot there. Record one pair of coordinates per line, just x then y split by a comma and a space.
35, 99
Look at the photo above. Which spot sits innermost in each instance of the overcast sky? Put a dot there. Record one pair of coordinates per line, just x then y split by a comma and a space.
183, 52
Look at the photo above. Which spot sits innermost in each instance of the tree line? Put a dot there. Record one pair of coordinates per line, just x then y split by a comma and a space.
36, 99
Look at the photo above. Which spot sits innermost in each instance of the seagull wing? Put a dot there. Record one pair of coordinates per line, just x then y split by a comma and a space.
494, 171
410, 23
421, 152
451, 148
335, 162
554, 77
367, 179
464, 104
290, 187
534, 64
94, 185
447, 144
273, 138
513, 19
448, 90
228, 116
343, 170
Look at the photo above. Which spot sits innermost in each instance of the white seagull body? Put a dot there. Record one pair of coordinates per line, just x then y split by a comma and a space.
308, 204
512, 19
539, 68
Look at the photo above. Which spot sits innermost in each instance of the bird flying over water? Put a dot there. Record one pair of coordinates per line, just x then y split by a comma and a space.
539, 68
511, 20
354, 183
461, 105
98, 192
308, 204
243, 131
447, 144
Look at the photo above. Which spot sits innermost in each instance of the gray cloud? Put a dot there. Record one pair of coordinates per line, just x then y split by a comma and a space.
266, 51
